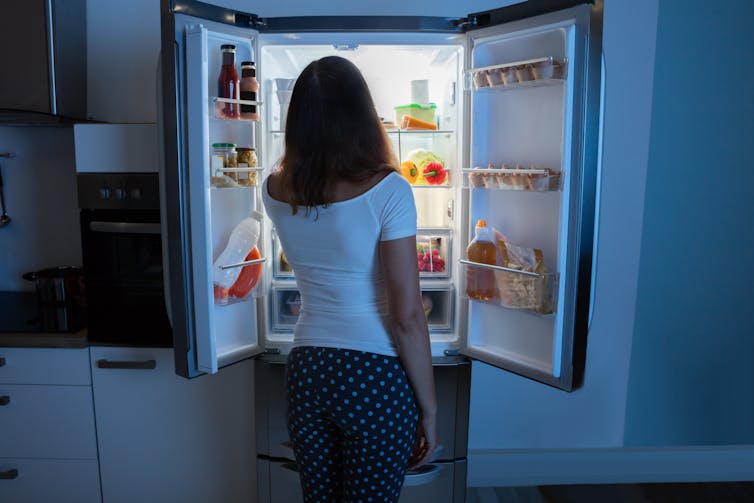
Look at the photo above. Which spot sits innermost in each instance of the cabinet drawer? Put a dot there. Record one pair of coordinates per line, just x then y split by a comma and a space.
44, 366
47, 422
43, 480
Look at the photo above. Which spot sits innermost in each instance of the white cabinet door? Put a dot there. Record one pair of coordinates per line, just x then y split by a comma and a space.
165, 438
28, 480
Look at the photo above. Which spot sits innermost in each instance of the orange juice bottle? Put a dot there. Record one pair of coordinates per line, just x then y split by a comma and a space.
480, 283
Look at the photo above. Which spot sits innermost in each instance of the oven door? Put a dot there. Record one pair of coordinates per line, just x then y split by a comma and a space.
122, 256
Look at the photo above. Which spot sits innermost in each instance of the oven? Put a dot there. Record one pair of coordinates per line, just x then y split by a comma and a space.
122, 259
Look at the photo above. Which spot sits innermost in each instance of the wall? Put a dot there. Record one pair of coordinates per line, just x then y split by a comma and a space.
40, 197
691, 374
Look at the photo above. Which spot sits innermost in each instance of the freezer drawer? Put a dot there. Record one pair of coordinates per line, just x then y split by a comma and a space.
452, 388
443, 482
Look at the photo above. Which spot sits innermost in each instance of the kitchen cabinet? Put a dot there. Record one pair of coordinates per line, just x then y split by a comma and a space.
49, 447
165, 438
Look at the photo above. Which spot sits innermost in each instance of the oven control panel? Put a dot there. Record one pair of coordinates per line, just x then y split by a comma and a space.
118, 190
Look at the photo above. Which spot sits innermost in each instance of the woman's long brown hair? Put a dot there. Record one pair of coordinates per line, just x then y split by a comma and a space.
332, 133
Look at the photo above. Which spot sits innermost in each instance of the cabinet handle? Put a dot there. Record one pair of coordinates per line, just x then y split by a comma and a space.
423, 476
9, 474
292, 467
2, 361
4, 400
145, 365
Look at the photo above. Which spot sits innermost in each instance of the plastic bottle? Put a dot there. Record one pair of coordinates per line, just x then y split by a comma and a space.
480, 282
242, 240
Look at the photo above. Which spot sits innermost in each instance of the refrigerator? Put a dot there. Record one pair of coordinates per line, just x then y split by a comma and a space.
515, 110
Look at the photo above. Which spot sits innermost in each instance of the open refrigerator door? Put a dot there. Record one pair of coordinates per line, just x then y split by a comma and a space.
222, 231
531, 177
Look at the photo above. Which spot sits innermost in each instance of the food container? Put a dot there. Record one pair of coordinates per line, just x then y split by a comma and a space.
58, 285
480, 79
247, 158
495, 77
550, 69
432, 254
509, 75
518, 290
421, 112
224, 155
524, 73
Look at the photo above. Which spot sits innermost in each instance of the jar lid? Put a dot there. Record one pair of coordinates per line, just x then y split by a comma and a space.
247, 63
228, 46
223, 145
244, 149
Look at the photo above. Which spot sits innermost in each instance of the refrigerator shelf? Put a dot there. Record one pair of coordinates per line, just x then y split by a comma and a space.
515, 289
526, 179
216, 104
536, 72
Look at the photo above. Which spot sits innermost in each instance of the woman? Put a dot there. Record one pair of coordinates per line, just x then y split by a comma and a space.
361, 398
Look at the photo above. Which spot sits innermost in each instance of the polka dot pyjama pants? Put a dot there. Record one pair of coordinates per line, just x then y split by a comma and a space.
351, 418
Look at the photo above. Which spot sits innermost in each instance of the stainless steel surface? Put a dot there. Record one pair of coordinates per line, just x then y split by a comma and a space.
58, 285
4, 218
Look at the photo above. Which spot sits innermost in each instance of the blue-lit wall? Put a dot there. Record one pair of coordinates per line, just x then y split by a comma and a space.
691, 379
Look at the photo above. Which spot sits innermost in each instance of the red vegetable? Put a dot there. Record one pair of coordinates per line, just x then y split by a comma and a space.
434, 173
249, 276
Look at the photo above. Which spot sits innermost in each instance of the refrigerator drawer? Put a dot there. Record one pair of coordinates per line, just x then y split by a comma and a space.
433, 483
438, 306
433, 253
285, 308
452, 389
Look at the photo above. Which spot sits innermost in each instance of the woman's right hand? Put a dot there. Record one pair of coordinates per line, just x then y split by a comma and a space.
425, 441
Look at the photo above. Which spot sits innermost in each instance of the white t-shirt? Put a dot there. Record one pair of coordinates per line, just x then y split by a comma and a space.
334, 253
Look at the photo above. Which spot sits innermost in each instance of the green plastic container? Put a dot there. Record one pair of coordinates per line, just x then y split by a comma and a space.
421, 112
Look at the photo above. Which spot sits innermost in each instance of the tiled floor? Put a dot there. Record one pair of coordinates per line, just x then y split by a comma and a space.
734, 492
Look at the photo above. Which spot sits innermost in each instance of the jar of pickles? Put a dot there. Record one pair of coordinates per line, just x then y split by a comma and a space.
247, 158
224, 156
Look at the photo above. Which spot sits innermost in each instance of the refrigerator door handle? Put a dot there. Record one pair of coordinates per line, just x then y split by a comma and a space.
423, 476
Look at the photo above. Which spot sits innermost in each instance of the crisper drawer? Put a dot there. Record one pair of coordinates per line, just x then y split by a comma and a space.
44, 366
47, 422
433, 483
452, 389
436, 299
49, 480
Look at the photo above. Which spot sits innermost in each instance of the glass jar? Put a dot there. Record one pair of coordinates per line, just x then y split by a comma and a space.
224, 155
247, 158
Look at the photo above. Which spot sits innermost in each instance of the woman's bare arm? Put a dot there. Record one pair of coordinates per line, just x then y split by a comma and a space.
408, 326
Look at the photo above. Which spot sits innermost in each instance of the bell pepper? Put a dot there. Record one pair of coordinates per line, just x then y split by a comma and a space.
249, 276
409, 171
434, 173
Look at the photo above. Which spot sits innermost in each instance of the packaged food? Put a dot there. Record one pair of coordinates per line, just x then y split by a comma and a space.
412, 123
524, 73
550, 69
480, 79
249, 90
426, 113
509, 75
495, 77
224, 155
522, 291
228, 83
490, 179
476, 179
241, 243
429, 255
247, 158
480, 282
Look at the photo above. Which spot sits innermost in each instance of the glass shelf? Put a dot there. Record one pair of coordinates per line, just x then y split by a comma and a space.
514, 289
